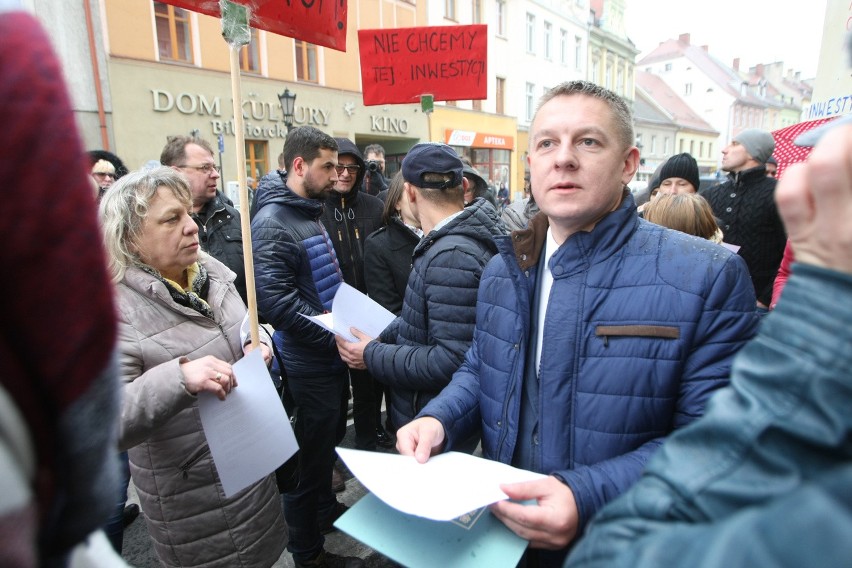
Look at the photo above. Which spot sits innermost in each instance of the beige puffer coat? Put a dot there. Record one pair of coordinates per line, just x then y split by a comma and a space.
189, 518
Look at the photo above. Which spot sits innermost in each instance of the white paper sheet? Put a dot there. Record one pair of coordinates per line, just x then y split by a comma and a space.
351, 308
445, 487
249, 433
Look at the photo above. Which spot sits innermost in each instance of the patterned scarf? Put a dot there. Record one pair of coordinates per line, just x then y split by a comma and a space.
192, 297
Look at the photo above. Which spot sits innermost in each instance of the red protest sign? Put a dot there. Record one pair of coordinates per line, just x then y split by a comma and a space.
449, 62
322, 22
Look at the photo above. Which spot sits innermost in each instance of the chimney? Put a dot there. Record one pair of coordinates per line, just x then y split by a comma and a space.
736, 64
705, 48
683, 38
758, 70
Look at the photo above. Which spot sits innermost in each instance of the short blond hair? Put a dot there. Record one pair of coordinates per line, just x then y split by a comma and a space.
124, 207
688, 213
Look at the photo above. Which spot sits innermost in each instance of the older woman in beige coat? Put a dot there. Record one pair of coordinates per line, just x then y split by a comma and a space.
179, 321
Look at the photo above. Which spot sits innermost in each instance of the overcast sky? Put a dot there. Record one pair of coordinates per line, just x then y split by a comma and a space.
756, 31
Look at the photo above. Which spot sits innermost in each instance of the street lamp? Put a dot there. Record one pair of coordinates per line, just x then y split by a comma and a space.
288, 106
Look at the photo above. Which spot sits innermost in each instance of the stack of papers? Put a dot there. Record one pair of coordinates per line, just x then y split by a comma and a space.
433, 514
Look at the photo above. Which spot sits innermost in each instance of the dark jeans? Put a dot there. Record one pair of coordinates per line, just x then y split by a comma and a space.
114, 528
364, 408
318, 400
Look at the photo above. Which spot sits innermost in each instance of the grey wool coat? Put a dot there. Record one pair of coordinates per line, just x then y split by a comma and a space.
189, 518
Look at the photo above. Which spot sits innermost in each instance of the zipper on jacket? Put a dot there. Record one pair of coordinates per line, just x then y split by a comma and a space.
185, 466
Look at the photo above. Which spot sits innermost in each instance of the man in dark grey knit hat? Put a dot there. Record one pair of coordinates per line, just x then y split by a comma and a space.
745, 205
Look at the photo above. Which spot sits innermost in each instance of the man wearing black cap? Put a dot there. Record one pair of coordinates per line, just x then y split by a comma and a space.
745, 206
418, 353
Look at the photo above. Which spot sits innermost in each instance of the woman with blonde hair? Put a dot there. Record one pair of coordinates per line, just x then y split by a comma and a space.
685, 212
179, 331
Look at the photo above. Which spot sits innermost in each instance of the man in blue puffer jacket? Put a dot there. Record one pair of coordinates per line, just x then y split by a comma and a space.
597, 333
296, 273
763, 478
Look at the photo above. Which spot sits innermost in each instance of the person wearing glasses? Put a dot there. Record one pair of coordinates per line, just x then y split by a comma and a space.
104, 175
350, 216
297, 274
218, 221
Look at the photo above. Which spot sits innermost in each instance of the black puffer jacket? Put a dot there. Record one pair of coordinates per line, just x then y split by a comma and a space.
748, 217
349, 219
426, 344
387, 263
220, 235
295, 272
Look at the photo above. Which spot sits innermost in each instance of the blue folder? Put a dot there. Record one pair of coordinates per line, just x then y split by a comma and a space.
475, 539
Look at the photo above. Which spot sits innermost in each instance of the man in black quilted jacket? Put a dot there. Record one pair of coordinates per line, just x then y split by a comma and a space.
745, 206
419, 352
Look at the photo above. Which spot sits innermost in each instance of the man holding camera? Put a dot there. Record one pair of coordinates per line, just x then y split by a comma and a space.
375, 180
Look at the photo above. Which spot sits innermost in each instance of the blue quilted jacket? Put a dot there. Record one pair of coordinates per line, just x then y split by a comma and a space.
296, 272
642, 325
423, 347
763, 479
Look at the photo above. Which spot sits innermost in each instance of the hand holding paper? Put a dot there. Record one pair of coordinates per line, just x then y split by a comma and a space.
350, 308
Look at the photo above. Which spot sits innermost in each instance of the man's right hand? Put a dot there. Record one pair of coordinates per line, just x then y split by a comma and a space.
420, 438
815, 202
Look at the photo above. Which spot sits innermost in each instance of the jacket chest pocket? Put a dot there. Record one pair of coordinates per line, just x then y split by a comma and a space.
631, 337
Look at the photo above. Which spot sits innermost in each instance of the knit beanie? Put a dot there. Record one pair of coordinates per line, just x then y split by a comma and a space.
758, 143
681, 166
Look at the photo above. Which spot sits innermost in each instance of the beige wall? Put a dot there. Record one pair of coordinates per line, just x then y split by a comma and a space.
152, 101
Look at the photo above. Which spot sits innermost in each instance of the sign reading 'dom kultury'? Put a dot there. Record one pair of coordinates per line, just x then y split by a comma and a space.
448, 62
322, 22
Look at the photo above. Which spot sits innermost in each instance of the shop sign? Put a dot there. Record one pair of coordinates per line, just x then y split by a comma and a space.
200, 105
478, 139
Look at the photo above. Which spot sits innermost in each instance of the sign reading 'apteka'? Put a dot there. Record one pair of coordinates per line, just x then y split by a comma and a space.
448, 62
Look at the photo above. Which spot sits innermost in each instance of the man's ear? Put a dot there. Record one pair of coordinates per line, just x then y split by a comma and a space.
299, 166
410, 191
465, 184
631, 164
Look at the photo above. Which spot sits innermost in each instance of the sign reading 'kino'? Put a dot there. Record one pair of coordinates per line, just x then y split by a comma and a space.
198, 104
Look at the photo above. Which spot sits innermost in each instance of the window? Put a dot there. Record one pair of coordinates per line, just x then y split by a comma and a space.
250, 54
530, 101
306, 61
668, 67
477, 104
477, 11
563, 47
653, 144
608, 76
666, 146
710, 149
701, 149
578, 53
500, 96
501, 17
257, 163
450, 9
174, 33
619, 84
596, 70
680, 146
548, 39
530, 33
687, 89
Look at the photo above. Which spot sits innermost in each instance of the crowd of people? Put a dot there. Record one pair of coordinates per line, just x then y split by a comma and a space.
622, 353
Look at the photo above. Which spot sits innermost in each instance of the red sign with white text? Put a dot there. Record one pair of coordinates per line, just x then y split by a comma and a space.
448, 62
322, 22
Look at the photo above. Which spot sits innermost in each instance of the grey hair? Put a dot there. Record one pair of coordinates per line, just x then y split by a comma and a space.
620, 110
124, 207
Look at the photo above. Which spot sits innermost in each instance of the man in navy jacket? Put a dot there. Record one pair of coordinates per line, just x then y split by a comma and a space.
597, 333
